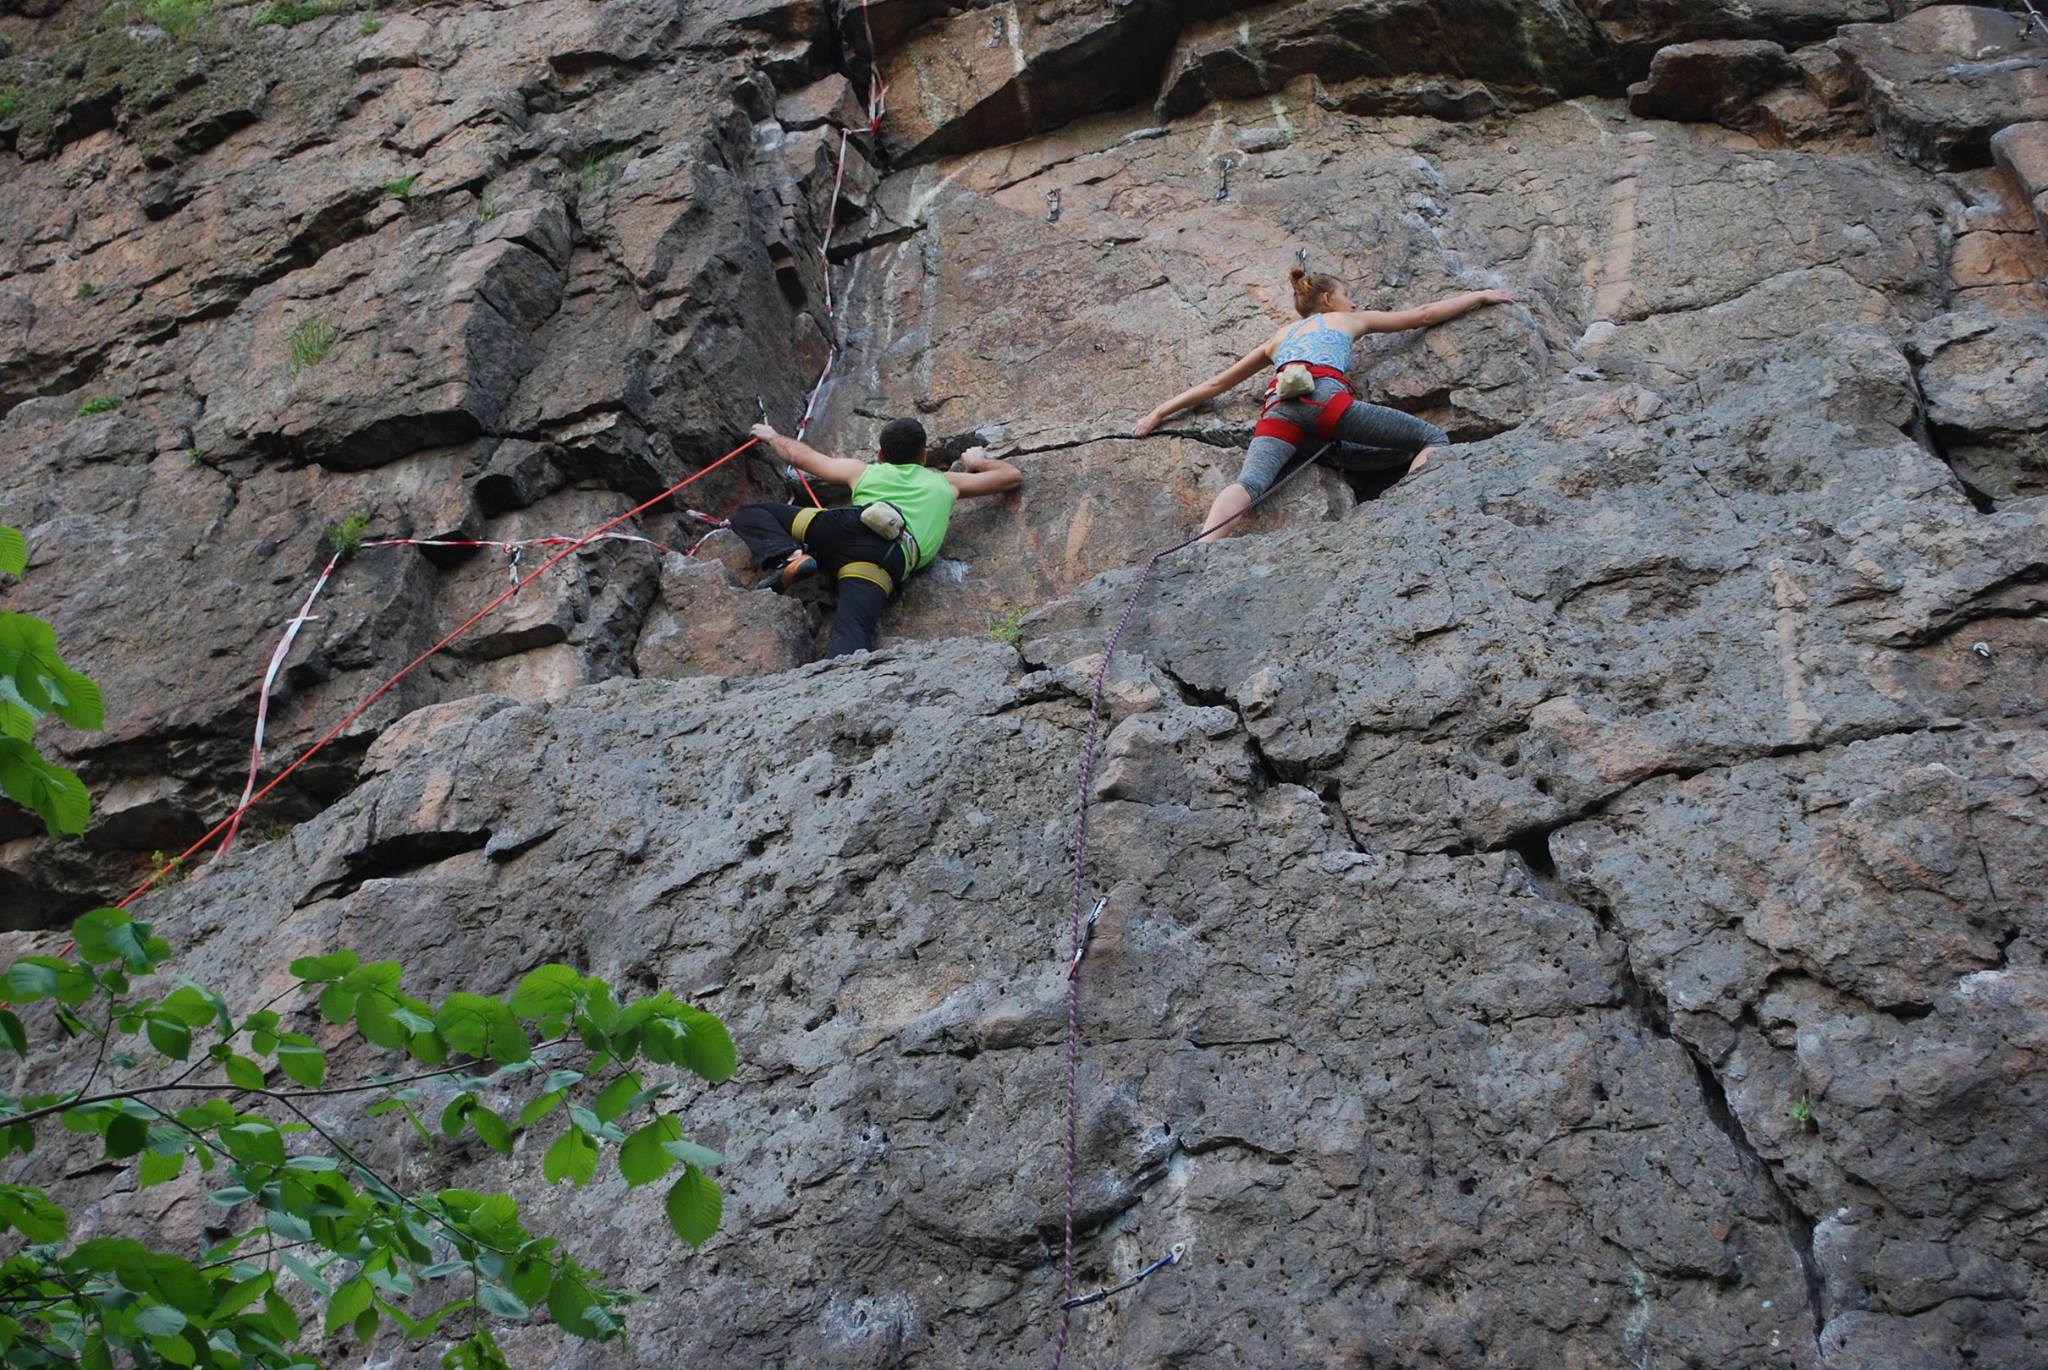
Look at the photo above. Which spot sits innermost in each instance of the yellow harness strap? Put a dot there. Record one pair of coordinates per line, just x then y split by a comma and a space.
870, 572
801, 524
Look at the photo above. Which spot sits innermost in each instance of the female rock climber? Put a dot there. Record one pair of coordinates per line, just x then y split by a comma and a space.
1310, 393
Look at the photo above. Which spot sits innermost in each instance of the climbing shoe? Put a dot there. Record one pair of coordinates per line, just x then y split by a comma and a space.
790, 574
884, 520
1295, 381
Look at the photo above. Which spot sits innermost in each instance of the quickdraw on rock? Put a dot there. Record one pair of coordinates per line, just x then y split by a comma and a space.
1172, 1257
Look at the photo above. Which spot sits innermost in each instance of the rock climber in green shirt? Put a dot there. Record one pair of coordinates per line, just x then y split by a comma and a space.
895, 525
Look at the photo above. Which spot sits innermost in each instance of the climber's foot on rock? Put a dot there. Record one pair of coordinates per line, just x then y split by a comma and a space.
784, 578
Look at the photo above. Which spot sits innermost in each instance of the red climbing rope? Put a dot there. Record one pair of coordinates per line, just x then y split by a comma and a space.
1078, 928
251, 800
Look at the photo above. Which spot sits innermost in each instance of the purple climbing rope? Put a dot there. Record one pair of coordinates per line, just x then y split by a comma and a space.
1077, 926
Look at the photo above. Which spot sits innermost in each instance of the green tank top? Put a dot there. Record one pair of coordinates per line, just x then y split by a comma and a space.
925, 496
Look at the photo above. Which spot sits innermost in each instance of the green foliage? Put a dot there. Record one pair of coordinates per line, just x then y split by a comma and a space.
346, 537
99, 404
201, 1089
402, 187
172, 867
9, 102
196, 455
1007, 627
287, 15
85, 291
1802, 1114
600, 170
310, 343
370, 23
35, 683
179, 18
488, 207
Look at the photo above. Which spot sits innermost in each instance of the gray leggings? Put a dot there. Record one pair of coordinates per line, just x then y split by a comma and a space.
1363, 425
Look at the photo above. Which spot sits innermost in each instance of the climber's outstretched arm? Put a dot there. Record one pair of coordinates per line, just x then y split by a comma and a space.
1248, 366
984, 475
839, 470
1422, 316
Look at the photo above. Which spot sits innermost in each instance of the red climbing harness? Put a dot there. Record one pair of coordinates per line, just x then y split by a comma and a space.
1328, 415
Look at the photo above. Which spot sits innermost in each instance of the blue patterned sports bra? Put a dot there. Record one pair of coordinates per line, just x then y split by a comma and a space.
1316, 343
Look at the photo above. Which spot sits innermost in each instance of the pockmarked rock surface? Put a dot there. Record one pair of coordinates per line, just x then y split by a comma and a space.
1575, 906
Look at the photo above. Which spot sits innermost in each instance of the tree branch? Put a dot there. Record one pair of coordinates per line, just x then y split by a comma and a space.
284, 1097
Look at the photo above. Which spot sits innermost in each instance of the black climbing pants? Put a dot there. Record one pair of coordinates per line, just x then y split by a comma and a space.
868, 570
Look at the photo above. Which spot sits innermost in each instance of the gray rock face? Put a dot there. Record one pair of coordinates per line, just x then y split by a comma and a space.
1713, 79
1574, 907
1942, 80
1986, 383
2022, 149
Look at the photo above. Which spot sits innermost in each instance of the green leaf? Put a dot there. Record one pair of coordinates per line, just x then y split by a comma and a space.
238, 1296
158, 1168
612, 1102
301, 1061
538, 1109
79, 702
694, 1154
337, 1005
169, 1035
230, 1195
287, 1227
126, 1135
643, 1159
457, 1110
573, 1157
111, 935
491, 1127
322, 969
30, 1211
30, 979
254, 1143
547, 992
17, 1035
243, 1072
13, 551
483, 1027
694, 1206
190, 1005
53, 793
710, 1051
160, 1320
348, 1301
306, 1275
501, 1301
577, 1309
